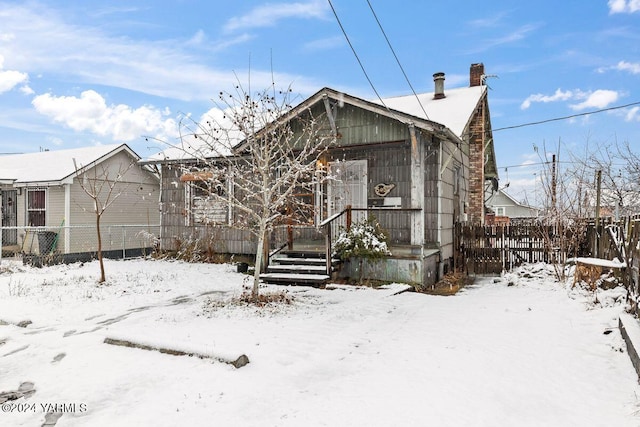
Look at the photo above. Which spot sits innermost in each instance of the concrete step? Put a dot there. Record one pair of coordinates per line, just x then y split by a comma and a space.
295, 279
297, 269
301, 261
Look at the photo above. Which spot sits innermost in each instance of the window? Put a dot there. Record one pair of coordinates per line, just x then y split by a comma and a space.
500, 211
36, 207
207, 205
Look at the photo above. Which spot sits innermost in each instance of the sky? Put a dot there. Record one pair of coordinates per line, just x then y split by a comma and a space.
81, 73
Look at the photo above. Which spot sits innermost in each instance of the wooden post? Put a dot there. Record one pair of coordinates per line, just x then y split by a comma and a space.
348, 208
328, 249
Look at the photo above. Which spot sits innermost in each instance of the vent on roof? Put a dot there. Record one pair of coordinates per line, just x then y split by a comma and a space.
438, 79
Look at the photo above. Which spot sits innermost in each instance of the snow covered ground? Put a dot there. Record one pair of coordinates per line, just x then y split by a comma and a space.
519, 350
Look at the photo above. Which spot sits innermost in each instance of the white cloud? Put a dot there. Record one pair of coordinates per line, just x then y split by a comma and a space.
90, 113
559, 95
633, 68
269, 14
324, 44
624, 6
600, 98
633, 114
10, 79
89, 55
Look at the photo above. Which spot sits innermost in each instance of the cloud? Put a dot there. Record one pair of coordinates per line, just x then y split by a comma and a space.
514, 36
559, 95
91, 113
600, 98
324, 44
623, 6
269, 15
631, 67
9, 79
633, 115
88, 55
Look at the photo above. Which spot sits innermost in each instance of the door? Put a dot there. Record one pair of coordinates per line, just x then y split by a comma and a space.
348, 186
9, 217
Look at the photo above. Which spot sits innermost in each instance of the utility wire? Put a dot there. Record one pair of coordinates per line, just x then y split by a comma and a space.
357, 57
397, 60
566, 117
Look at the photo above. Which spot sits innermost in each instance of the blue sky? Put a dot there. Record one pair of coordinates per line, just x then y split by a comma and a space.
78, 73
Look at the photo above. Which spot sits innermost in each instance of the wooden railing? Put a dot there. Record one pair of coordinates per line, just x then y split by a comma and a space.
327, 224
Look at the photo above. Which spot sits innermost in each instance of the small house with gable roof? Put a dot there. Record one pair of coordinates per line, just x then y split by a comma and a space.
42, 195
418, 163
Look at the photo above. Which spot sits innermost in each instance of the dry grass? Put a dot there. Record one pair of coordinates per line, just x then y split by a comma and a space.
450, 284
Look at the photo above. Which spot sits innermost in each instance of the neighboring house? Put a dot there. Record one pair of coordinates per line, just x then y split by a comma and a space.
44, 190
503, 208
419, 164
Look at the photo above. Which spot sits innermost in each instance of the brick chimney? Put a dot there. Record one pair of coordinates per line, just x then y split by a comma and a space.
475, 74
438, 79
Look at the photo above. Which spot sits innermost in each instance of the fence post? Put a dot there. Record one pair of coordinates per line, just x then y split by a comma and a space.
124, 242
348, 217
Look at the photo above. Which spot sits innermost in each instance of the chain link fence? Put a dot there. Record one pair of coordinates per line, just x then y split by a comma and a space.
39, 245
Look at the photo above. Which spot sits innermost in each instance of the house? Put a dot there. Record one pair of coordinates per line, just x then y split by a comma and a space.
45, 209
418, 163
503, 209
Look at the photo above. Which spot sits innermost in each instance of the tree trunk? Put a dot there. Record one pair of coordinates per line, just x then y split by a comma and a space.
102, 275
259, 260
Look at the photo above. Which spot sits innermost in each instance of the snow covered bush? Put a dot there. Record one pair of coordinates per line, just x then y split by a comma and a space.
364, 240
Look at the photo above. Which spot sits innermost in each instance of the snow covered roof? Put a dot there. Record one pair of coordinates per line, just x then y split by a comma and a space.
55, 166
453, 111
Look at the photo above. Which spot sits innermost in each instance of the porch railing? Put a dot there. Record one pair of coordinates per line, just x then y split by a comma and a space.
327, 225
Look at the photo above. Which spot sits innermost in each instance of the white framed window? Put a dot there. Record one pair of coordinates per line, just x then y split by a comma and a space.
500, 211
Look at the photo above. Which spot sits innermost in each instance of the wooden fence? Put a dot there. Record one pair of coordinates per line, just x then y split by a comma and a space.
493, 249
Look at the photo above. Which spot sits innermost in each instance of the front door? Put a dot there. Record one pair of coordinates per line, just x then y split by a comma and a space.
348, 186
9, 217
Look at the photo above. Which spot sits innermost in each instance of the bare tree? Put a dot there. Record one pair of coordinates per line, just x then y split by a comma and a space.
563, 222
255, 155
102, 185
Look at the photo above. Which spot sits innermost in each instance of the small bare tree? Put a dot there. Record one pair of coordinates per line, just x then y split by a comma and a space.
102, 185
255, 155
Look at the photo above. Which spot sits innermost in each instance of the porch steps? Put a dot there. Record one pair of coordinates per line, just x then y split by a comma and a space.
298, 268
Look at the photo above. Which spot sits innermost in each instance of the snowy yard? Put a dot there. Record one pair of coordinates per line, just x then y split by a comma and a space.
531, 354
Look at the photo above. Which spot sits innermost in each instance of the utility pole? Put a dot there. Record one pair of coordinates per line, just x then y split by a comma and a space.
596, 240
554, 185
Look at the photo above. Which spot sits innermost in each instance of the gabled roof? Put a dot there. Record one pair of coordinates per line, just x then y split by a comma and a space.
453, 111
447, 117
56, 167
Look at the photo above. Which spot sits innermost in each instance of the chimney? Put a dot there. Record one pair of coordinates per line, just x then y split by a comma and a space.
475, 74
438, 79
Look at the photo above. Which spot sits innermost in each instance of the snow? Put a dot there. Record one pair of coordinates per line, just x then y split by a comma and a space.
453, 111
520, 349
599, 262
51, 165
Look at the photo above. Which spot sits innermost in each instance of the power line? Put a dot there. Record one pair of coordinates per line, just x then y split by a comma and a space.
566, 117
356, 55
397, 60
